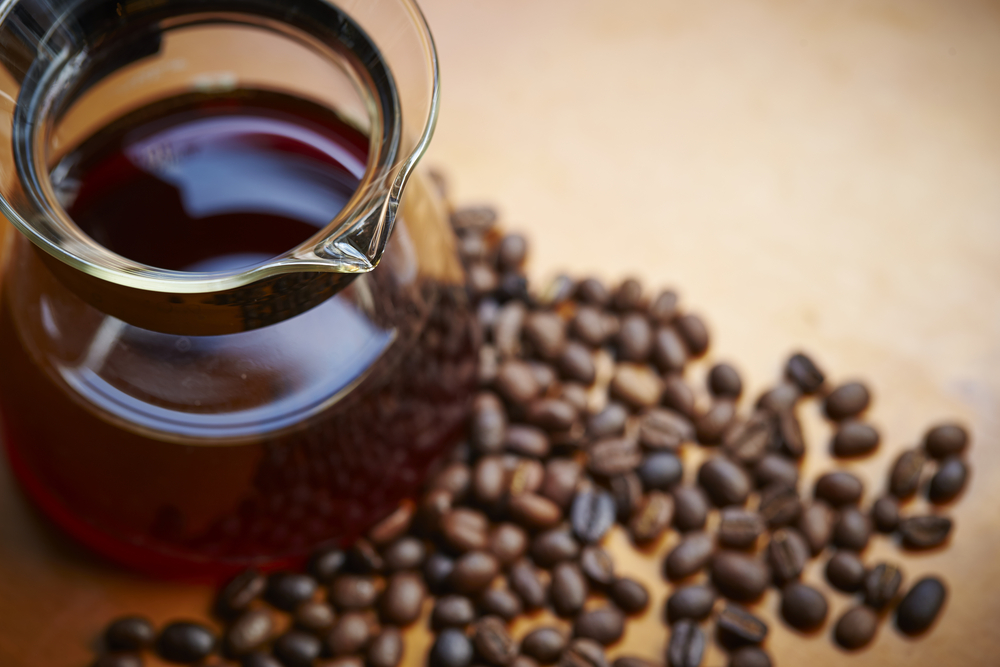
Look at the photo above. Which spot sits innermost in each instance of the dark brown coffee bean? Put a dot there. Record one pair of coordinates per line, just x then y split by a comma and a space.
651, 517
501, 602
609, 421
635, 338
392, 527
839, 488
516, 382
526, 581
349, 591
788, 434
314, 616
185, 642
847, 400
856, 628
774, 469
854, 438
660, 471
803, 607
724, 380
694, 602
803, 371
527, 440
576, 394
780, 398
386, 649
583, 652
437, 572
921, 605
946, 440
628, 296
924, 532
661, 428
738, 576
493, 643
452, 611
787, 554
948, 481
129, 633
473, 572
524, 475
779, 506
561, 479
713, 424
534, 511
554, 546
467, 530
852, 529
739, 528
885, 514
351, 634
816, 526
568, 589
262, 659
406, 553
597, 565
551, 414
287, 590
489, 420
118, 660
630, 596
455, 478
508, 543
695, 334
588, 326
248, 585
451, 649
627, 492
737, 624
613, 456
905, 475
725, 482
249, 632
576, 363
687, 645
297, 649
635, 385
592, 515
689, 556
678, 395
690, 508
546, 332
605, 625
747, 441
749, 656
402, 599
845, 571
511, 252
544, 645
881, 584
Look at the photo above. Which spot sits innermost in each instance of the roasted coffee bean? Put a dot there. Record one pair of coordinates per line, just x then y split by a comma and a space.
501, 602
406, 553
738, 576
946, 440
386, 649
604, 625
628, 296
534, 511
527, 440
512, 251
803, 607
847, 400
779, 506
350, 591
185, 642
780, 398
613, 456
635, 385
583, 652
816, 526
694, 332
392, 527
635, 338
489, 479
118, 660
739, 528
597, 565
787, 554
749, 656
129, 633
350, 634
452, 611
852, 529
489, 420
592, 515
451, 649
660, 471
516, 382
803, 371
881, 584
588, 327
544, 374
561, 479
297, 649
526, 581
551, 414
554, 546
593, 291
627, 492
507, 328
261, 659
651, 517
546, 332
403, 598
839, 488
362, 558
661, 428
921, 605
724, 380
713, 424
524, 475
924, 532
694, 602
557, 291
690, 508
479, 219
473, 572
885, 514
948, 481
854, 438
630, 596
905, 475
568, 589
687, 645
437, 572
856, 628
576, 394
544, 644
747, 441
737, 624
314, 616
845, 571
664, 307
508, 543
249, 632
493, 643
287, 590
690, 555
725, 482
774, 469
678, 395
789, 435
248, 585
609, 421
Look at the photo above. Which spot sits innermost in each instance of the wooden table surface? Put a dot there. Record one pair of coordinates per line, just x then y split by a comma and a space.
817, 176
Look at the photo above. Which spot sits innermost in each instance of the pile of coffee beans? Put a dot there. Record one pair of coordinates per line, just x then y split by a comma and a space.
582, 424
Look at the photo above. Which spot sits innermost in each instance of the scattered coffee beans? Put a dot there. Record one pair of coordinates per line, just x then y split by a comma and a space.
802, 606
687, 645
856, 628
921, 605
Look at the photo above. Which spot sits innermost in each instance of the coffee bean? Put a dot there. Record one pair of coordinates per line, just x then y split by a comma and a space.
856, 628
287, 590
695, 334
749, 656
678, 395
687, 645
129, 633
847, 400
403, 598
839, 488
185, 642
350, 634
724, 380
597, 565
613, 456
554, 546
948, 481
885, 514
551, 414
119, 660
452, 611
474, 219
946, 440
627, 492
689, 556
635, 338
501, 602
921, 605
248, 585
845, 571
544, 644
628, 296
489, 420
690, 508
493, 643
713, 424
725, 482
694, 602
660, 471
508, 543
630, 596
803, 607
437, 572
297, 649
637, 386
789, 436
524, 475
609, 421
557, 291
739, 528
583, 652
779, 506
576, 394
362, 558
774, 469
604, 625
349, 591
516, 382
261, 659
880, 585
816, 526
406, 553
250, 631
525, 580
473, 572
392, 527
568, 589
386, 650
507, 328
787, 554
780, 398
651, 517
661, 428
854, 438
905, 475
534, 511
576, 363
561, 479
737, 624
592, 515
546, 332
852, 529
924, 532
512, 251
588, 326
451, 649
804, 373
527, 440
738, 576
747, 441
467, 530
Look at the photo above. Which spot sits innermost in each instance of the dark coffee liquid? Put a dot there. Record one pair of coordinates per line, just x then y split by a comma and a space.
197, 456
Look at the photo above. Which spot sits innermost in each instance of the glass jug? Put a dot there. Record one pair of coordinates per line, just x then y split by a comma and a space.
201, 367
